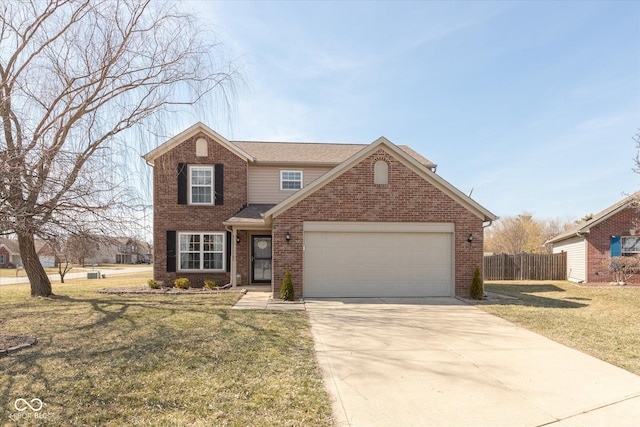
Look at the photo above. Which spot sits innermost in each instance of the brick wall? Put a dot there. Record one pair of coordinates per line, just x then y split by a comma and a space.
7, 257
354, 197
599, 241
169, 215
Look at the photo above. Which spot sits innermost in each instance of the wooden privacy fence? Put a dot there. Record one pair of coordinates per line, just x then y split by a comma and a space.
526, 267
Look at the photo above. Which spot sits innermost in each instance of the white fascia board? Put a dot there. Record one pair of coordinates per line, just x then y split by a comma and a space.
188, 133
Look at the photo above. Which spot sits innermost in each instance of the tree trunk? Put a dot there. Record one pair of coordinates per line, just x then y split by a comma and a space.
40, 283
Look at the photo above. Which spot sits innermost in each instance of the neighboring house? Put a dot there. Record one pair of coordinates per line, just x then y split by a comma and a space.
118, 250
347, 220
132, 251
9, 253
589, 245
46, 254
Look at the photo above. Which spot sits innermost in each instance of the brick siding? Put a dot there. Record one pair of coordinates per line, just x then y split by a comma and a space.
599, 241
7, 257
354, 197
169, 215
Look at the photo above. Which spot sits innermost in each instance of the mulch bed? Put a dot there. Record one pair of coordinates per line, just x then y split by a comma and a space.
9, 343
144, 289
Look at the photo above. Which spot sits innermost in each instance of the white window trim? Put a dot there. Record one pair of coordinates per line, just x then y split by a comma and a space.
3, 259
190, 186
624, 252
200, 270
290, 171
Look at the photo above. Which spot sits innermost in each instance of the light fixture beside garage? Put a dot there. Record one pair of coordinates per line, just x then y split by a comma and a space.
470, 238
288, 237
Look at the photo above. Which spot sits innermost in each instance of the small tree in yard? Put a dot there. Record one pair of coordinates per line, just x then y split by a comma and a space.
476, 291
286, 288
621, 268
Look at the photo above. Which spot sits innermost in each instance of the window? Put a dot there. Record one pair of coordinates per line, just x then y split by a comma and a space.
630, 245
201, 251
201, 185
290, 180
3, 259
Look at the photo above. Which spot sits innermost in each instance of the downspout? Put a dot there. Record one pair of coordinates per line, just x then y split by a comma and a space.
234, 251
483, 227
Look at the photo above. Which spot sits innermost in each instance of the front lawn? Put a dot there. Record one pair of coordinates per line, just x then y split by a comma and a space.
602, 322
181, 360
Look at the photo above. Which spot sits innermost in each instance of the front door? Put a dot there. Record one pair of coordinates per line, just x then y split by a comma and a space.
261, 259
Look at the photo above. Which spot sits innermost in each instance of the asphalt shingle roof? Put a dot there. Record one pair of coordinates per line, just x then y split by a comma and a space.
311, 152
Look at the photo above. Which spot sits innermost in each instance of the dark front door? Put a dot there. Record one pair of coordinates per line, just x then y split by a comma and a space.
261, 259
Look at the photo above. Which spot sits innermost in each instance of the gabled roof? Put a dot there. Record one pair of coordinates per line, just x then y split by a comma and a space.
11, 245
325, 154
584, 227
192, 131
409, 161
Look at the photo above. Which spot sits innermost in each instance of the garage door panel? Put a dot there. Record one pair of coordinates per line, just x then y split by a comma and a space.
360, 264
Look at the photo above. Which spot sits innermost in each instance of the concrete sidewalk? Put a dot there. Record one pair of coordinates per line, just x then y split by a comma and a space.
261, 300
440, 362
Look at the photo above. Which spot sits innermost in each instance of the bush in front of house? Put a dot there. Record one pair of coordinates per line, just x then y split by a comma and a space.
182, 283
286, 288
476, 291
153, 284
210, 284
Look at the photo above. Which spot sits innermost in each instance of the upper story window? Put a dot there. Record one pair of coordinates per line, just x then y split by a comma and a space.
290, 180
201, 185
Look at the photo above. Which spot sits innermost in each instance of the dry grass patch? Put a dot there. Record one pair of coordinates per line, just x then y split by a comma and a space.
107, 359
602, 322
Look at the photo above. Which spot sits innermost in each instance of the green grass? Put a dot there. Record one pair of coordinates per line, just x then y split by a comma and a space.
11, 272
161, 360
602, 322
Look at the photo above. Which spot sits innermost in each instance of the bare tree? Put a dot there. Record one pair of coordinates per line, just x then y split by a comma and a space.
636, 160
61, 255
523, 233
75, 76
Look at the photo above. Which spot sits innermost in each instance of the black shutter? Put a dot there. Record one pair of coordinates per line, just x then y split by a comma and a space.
182, 184
171, 251
228, 249
219, 184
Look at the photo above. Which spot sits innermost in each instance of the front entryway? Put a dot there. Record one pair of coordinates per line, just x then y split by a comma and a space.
260, 259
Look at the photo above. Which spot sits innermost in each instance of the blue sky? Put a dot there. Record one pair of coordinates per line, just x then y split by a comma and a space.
533, 105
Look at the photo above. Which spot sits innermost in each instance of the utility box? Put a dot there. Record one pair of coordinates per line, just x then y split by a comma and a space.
93, 275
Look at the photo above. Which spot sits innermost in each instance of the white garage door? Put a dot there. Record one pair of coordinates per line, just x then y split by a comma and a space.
344, 259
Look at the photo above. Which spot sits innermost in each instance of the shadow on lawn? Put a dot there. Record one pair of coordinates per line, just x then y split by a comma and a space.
526, 294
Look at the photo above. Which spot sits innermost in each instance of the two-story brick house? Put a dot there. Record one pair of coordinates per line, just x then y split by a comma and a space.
350, 220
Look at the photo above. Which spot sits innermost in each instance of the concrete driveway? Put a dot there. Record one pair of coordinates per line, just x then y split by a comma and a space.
440, 362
